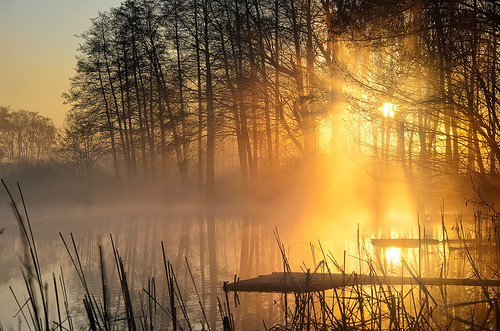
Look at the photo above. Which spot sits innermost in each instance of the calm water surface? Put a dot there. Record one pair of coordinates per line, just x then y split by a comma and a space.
138, 232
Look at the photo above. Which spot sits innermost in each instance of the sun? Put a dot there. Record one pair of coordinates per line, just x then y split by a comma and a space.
389, 109
393, 255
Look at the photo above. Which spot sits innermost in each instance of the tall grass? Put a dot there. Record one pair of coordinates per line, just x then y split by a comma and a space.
113, 303
148, 309
396, 305
35, 308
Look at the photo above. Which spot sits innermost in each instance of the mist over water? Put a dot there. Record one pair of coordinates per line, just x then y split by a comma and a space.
328, 207
330, 204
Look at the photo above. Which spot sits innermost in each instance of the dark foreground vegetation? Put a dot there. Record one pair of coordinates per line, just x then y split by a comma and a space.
368, 301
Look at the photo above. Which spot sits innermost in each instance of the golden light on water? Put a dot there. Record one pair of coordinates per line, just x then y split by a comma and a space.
389, 109
393, 255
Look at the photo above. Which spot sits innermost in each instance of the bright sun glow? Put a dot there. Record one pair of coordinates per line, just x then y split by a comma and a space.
325, 133
389, 109
393, 255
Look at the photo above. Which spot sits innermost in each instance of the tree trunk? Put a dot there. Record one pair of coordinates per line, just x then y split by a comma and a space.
185, 142
110, 124
265, 91
210, 175
306, 118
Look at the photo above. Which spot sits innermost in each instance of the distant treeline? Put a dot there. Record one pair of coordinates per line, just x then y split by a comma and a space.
248, 86
26, 136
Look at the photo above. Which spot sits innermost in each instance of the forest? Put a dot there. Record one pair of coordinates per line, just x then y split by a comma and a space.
26, 137
207, 89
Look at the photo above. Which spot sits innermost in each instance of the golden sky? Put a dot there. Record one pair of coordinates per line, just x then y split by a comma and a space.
38, 48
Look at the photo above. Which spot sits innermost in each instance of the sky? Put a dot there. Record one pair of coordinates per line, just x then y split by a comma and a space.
38, 48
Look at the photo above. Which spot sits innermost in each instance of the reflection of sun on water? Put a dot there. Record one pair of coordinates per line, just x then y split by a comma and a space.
393, 255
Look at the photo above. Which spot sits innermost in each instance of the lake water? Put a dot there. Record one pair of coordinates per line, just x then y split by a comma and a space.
138, 232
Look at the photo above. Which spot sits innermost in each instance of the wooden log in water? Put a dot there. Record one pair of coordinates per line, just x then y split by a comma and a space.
403, 243
299, 282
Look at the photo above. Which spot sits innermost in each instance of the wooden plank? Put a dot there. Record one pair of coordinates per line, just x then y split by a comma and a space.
299, 282
413, 243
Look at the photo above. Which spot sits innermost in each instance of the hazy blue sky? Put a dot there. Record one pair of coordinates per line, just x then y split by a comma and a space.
38, 48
